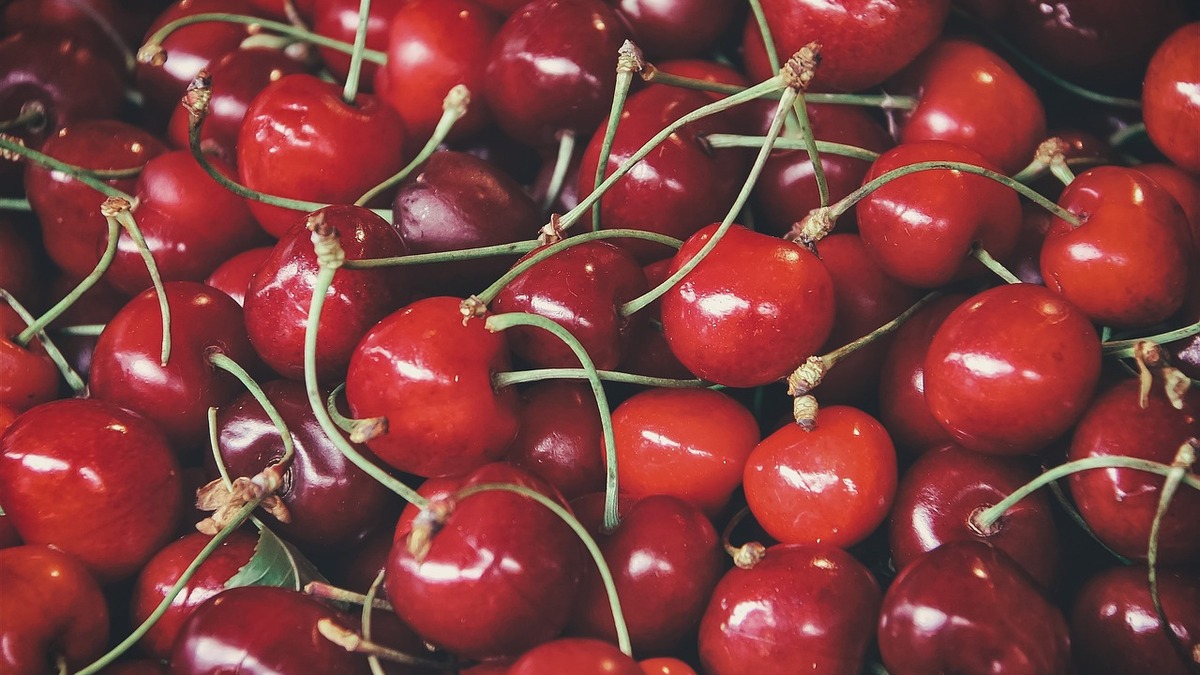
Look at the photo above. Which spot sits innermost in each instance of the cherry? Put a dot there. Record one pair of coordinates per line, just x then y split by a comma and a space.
1127, 262
338, 19
653, 356
552, 69
751, 311
20, 271
233, 276
801, 608
676, 28
947, 486
560, 437
93, 480
1169, 103
501, 570
689, 443
967, 94
107, 27
165, 569
300, 139
862, 43
97, 306
259, 630
966, 607
665, 558
920, 228
1183, 186
1011, 369
278, 297
582, 656
432, 46
27, 375
1115, 628
278, 8
665, 665
833, 484
430, 376
333, 504
582, 288
127, 365
1119, 504
53, 611
1025, 263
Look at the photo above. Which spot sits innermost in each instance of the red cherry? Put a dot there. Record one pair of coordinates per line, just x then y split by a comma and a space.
581, 656
430, 376
751, 312
689, 443
1011, 369
1183, 186
1127, 263
652, 355
560, 437
27, 375
91, 479
233, 276
100, 24
968, 608
800, 609
676, 28
665, 665
1169, 102
338, 19
831, 485
53, 609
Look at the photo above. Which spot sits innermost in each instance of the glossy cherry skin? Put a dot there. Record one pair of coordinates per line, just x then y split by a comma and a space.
1115, 628
300, 139
968, 94
689, 443
333, 504
966, 607
93, 480
1183, 186
940, 493
430, 376
167, 566
261, 630
1169, 102
459, 201
338, 19
799, 609
552, 68
127, 368
862, 42
233, 276
665, 558
582, 289
675, 28
582, 656
703, 183
1119, 504
53, 608
433, 45
752, 311
1127, 263
831, 485
560, 437
27, 375
1011, 369
665, 665
920, 228
279, 295
501, 573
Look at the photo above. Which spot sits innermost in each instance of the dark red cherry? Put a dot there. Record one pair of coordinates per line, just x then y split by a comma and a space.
27, 375
552, 69
167, 566
93, 480
501, 572
1119, 504
54, 611
1026, 260
1115, 628
127, 365
582, 656
233, 276
560, 437
105, 26
279, 295
332, 503
751, 312
1169, 104
1011, 369
799, 609
20, 273
96, 306
945, 488
966, 607
430, 376
676, 28
652, 355
338, 19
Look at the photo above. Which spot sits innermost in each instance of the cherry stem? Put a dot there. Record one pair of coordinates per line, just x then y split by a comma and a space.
585, 203
629, 61
824, 147
995, 266
1185, 457
344, 423
152, 51
15, 204
165, 604
358, 644
32, 114
1126, 348
124, 216
110, 252
1125, 134
82, 330
454, 106
350, 91
562, 164
72, 378
214, 447
324, 591
652, 74
223, 362
508, 379
519, 247
367, 612
1049, 156
13, 147
764, 30
785, 104
810, 144
986, 519
610, 587
500, 322
488, 294
330, 257
747, 555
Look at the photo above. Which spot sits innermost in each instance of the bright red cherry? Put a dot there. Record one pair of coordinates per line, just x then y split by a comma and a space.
581, 656
27, 375
1170, 97
234, 275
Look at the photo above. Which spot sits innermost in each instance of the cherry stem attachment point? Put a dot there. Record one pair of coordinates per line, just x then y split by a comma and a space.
358, 644
562, 165
747, 555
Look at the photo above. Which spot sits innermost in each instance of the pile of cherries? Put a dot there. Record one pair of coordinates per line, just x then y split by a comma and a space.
587, 336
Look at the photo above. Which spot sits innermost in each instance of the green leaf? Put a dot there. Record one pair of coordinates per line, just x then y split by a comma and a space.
275, 563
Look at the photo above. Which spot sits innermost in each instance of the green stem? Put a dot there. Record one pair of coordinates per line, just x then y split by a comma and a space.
629, 61
152, 49
232, 367
1184, 458
1126, 134
826, 147
324, 591
515, 248
562, 165
31, 114
15, 204
125, 218
83, 330
56, 357
344, 423
610, 587
810, 144
350, 91
367, 612
887, 328
82, 175
997, 268
764, 30
1125, 348
214, 447
508, 379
